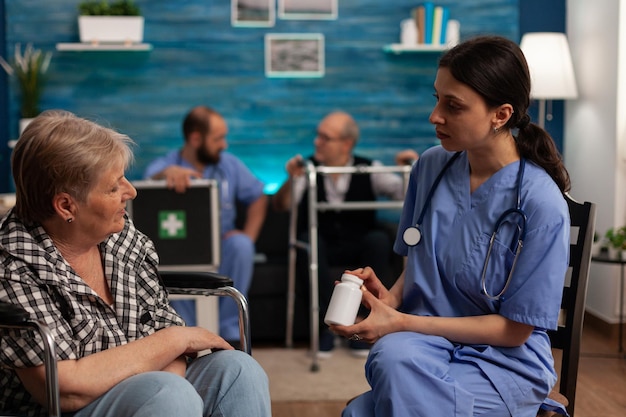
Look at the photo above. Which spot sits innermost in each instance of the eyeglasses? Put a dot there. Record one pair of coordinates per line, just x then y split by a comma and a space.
325, 138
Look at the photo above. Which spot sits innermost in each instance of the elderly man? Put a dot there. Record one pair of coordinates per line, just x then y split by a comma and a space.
346, 238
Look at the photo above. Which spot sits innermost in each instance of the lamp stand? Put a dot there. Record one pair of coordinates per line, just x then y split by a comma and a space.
542, 113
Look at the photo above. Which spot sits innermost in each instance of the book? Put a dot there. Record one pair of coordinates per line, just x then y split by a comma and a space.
419, 14
429, 9
444, 26
437, 16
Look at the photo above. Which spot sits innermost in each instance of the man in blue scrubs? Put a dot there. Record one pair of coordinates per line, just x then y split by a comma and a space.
203, 156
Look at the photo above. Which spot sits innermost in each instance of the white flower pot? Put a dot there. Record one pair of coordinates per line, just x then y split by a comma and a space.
24, 122
596, 247
111, 29
615, 253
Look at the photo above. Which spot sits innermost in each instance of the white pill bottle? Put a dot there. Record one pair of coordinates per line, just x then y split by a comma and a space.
345, 301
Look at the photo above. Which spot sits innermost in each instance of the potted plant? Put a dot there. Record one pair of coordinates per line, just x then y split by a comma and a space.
616, 239
101, 21
29, 68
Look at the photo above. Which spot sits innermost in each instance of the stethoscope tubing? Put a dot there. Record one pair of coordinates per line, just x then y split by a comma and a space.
412, 235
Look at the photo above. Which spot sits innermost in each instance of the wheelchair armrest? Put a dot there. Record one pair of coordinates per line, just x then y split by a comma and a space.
195, 279
11, 314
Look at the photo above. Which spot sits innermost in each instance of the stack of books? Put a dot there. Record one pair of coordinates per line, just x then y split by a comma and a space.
431, 22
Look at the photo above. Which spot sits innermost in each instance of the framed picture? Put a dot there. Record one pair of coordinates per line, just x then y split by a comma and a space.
253, 13
307, 9
294, 55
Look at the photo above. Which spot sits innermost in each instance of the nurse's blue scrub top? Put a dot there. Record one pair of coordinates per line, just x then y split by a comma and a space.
443, 273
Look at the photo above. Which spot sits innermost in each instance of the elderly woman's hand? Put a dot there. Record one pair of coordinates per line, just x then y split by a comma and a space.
198, 339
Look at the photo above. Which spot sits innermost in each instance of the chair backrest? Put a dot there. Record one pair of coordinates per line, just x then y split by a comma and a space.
568, 336
185, 227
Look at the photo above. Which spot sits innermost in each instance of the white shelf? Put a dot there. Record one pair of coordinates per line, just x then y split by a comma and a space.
81, 46
399, 48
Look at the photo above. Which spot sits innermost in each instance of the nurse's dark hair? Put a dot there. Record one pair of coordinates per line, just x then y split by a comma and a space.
496, 69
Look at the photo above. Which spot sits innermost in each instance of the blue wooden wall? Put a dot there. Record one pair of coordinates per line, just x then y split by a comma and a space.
199, 58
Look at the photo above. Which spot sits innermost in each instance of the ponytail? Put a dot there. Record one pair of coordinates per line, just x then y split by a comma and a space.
535, 144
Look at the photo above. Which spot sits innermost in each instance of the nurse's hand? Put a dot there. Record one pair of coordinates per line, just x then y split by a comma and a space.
382, 320
373, 284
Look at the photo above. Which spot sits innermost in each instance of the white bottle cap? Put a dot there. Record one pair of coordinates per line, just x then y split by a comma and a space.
351, 278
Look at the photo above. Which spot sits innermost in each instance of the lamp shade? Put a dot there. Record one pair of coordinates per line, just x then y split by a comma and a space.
550, 65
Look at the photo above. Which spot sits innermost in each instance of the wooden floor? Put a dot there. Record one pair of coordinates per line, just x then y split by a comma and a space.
601, 389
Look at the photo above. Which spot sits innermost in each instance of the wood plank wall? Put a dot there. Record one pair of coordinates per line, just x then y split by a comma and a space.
199, 58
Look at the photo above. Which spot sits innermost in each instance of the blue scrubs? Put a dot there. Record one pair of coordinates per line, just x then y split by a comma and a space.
422, 375
236, 184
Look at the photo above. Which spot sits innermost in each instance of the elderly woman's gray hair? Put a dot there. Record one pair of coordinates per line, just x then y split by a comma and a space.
60, 152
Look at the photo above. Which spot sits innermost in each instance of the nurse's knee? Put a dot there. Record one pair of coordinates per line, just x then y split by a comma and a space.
361, 406
391, 346
406, 350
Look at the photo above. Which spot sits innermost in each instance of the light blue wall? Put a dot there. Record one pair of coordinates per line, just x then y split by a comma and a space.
198, 58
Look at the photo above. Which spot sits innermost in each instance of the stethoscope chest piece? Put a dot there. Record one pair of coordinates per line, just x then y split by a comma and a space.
412, 235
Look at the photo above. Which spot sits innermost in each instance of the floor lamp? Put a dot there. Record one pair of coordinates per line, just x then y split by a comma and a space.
551, 69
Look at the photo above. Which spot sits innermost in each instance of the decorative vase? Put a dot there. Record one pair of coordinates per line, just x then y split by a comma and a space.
615, 253
596, 247
110, 29
24, 122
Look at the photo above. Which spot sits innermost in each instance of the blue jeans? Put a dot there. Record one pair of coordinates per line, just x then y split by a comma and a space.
227, 383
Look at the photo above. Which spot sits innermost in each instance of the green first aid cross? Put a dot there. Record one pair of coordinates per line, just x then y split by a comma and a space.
172, 224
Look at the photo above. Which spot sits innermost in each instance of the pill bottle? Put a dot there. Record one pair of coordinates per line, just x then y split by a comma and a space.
345, 301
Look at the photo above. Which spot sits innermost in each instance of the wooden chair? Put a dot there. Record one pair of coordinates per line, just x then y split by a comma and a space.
177, 282
567, 337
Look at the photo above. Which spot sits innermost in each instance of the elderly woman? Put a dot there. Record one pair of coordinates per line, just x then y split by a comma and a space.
72, 258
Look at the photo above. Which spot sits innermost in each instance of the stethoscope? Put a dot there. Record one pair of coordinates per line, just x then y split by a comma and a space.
412, 236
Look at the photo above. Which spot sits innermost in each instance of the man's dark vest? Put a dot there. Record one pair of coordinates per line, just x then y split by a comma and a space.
338, 223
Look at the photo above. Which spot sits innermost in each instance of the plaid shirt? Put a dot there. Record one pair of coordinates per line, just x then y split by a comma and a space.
33, 274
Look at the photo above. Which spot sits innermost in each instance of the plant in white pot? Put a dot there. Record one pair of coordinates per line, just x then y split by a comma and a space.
616, 239
29, 68
100, 21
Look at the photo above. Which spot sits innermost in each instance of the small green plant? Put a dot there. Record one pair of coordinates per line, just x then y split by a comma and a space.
30, 68
105, 8
616, 237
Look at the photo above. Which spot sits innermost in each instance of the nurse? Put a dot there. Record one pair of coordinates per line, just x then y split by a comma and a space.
485, 230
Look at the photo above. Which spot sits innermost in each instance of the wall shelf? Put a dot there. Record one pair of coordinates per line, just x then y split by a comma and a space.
82, 46
398, 48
